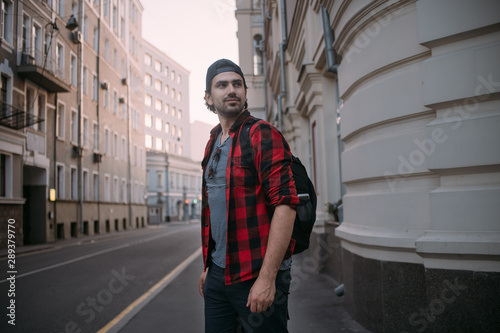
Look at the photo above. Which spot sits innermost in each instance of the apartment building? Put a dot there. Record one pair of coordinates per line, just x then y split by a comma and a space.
174, 179
76, 161
394, 105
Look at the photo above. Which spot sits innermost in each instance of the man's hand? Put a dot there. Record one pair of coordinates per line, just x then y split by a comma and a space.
201, 283
261, 295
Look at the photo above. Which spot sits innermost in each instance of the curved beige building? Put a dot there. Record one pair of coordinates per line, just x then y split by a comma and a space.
408, 106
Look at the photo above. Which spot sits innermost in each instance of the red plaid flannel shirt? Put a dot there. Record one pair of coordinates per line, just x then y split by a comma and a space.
250, 201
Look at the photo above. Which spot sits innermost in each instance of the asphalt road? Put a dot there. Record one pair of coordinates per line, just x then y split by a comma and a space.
82, 286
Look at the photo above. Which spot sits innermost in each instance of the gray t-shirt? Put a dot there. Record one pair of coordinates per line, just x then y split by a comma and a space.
216, 189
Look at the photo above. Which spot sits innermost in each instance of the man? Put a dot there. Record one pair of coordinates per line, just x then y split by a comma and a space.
247, 215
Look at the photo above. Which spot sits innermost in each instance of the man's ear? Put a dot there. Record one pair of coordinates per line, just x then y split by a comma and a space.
208, 99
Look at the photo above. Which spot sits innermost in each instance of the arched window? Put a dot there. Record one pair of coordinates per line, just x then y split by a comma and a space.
258, 58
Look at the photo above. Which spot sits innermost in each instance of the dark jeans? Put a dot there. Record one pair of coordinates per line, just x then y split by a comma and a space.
226, 311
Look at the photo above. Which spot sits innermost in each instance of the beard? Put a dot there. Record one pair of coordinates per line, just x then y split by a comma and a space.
230, 109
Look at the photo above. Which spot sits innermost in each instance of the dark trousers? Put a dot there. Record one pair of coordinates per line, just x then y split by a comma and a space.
226, 311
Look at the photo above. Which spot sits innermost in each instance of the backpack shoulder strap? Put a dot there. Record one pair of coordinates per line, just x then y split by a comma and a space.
245, 143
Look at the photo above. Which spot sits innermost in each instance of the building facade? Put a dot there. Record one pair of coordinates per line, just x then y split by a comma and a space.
403, 95
174, 179
72, 110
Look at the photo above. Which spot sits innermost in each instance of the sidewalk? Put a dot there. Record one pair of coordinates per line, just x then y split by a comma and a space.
313, 306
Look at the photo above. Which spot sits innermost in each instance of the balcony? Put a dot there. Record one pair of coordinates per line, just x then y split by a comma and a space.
16, 118
43, 71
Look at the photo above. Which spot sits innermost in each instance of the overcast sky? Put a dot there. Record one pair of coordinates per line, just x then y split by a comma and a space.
194, 33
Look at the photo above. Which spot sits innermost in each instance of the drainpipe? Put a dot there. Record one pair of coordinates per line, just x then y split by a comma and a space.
329, 39
264, 56
80, 101
55, 168
283, 45
129, 144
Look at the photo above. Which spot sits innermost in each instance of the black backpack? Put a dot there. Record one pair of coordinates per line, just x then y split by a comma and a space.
306, 210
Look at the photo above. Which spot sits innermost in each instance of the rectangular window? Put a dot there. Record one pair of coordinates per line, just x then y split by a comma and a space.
106, 141
85, 80
85, 132
73, 70
107, 188
60, 182
106, 51
158, 85
124, 190
148, 122
25, 41
115, 102
61, 114
95, 39
95, 135
157, 66
86, 184
73, 184
149, 141
60, 8
159, 124
158, 104
96, 187
60, 60
7, 21
148, 100
95, 87
116, 190
74, 126
159, 144
115, 145
148, 79
124, 149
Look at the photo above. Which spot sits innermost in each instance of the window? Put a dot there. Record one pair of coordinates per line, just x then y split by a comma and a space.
95, 87
60, 59
25, 42
60, 8
167, 127
60, 182
73, 70
179, 131
85, 80
166, 71
258, 56
116, 189
173, 93
174, 130
7, 21
124, 149
6, 176
148, 122
158, 85
61, 112
159, 124
85, 132
158, 104
115, 145
159, 144
96, 187
115, 18
157, 66
115, 102
74, 127
106, 98
135, 155
179, 114
148, 80
107, 188
73, 181
179, 96
37, 43
106, 141
149, 142
166, 89
86, 28
148, 100
172, 75
106, 8
167, 108
95, 40
160, 179
179, 80
74, 9
95, 135
180, 150
86, 184
124, 190
148, 60
173, 112
167, 147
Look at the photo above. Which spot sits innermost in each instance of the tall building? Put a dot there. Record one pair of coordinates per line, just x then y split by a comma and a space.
174, 179
72, 143
404, 96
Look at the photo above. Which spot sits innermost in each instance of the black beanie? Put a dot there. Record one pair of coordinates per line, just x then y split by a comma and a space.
221, 66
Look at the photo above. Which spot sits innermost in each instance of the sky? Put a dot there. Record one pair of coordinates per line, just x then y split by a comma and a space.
194, 33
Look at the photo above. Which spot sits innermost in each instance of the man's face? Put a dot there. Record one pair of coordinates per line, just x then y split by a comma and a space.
228, 94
